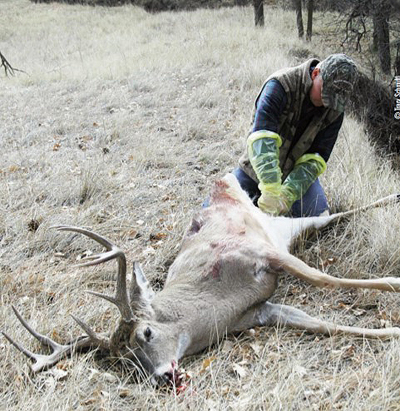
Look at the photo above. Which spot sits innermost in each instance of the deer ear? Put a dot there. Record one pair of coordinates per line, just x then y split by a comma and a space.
141, 293
183, 343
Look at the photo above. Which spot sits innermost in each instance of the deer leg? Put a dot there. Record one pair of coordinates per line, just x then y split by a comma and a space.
297, 226
291, 228
294, 266
269, 314
284, 315
253, 317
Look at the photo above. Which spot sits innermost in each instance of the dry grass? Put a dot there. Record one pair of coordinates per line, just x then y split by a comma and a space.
122, 125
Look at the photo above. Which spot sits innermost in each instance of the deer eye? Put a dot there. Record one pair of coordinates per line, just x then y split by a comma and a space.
147, 333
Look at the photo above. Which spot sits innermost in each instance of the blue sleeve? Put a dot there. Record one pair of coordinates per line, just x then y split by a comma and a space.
326, 139
269, 106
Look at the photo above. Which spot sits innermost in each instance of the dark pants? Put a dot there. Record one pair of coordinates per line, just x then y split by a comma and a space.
312, 204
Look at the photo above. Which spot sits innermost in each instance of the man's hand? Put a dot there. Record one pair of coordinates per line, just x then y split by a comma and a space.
274, 204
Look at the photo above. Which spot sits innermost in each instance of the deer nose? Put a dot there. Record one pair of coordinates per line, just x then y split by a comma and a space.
168, 377
163, 379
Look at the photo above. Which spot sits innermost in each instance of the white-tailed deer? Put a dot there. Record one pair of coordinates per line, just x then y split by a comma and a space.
226, 270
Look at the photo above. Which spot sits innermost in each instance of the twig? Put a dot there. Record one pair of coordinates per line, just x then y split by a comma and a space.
8, 68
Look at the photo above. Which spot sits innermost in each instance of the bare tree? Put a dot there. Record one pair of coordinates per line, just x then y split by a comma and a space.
258, 12
299, 17
310, 10
359, 14
397, 60
356, 25
380, 17
8, 68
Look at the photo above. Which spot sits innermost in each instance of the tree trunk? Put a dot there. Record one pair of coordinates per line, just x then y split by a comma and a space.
381, 12
299, 18
258, 12
397, 60
374, 38
310, 10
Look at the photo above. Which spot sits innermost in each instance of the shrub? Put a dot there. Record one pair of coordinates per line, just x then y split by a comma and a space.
154, 6
372, 103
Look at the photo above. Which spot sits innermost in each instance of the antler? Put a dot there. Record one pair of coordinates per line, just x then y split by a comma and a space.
140, 293
121, 299
59, 351
138, 299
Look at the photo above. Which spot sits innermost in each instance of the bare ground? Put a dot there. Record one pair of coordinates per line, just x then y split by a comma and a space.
122, 125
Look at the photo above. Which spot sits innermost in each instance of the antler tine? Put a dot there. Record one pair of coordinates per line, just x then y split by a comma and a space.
102, 342
19, 347
125, 313
59, 351
46, 341
121, 299
103, 241
98, 258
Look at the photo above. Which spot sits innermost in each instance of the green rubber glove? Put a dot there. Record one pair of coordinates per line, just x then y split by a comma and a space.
272, 204
263, 149
306, 170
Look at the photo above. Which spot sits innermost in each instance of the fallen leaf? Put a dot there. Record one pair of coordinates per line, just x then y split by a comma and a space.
343, 306
348, 351
385, 323
358, 312
157, 236
329, 261
227, 347
301, 371
62, 365
206, 363
149, 251
89, 401
33, 225
55, 335
60, 255
19, 379
125, 392
257, 348
13, 169
93, 374
59, 374
239, 370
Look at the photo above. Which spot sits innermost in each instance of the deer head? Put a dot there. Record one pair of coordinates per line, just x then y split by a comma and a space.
154, 346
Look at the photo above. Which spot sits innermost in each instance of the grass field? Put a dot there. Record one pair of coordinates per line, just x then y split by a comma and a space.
121, 124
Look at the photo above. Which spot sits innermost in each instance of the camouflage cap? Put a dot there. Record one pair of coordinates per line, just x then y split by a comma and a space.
339, 74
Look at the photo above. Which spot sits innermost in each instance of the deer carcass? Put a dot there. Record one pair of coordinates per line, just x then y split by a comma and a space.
226, 270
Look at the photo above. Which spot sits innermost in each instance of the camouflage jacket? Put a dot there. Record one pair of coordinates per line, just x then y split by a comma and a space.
296, 81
